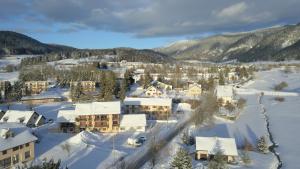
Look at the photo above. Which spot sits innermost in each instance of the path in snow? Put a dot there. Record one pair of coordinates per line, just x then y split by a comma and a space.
274, 145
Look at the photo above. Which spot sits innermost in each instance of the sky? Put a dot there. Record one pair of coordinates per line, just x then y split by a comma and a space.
140, 23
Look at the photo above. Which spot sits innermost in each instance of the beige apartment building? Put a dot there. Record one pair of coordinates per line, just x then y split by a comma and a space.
36, 87
16, 146
154, 108
87, 86
97, 116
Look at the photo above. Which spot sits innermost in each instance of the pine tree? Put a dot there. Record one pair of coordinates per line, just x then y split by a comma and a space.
262, 145
221, 79
218, 162
182, 160
147, 79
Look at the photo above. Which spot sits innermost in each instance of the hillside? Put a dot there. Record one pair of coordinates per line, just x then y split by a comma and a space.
277, 43
15, 43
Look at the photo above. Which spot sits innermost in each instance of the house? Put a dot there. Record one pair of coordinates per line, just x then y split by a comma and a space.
16, 145
36, 87
154, 108
87, 86
225, 94
152, 91
96, 116
41, 99
161, 85
194, 90
28, 118
135, 122
67, 120
207, 147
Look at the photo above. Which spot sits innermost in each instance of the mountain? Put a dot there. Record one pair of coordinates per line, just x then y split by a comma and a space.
276, 43
15, 43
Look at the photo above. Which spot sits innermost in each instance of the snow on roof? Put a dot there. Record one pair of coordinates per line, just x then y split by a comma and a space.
148, 101
194, 85
224, 91
98, 108
41, 96
21, 135
214, 144
66, 116
133, 120
17, 116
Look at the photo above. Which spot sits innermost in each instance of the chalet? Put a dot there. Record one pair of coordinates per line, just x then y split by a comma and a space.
224, 93
154, 108
135, 122
87, 86
27, 118
36, 87
207, 147
152, 91
194, 90
96, 116
16, 145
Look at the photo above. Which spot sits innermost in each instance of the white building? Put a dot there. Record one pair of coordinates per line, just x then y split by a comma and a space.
225, 93
206, 147
28, 118
135, 122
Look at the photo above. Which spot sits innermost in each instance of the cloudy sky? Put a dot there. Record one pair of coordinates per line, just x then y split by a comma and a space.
139, 23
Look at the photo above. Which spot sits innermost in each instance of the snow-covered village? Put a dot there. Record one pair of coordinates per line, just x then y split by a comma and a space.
149, 84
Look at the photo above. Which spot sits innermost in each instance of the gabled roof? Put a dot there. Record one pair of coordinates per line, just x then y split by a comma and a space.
17, 116
97, 108
194, 85
65, 116
224, 91
21, 135
148, 101
133, 120
214, 144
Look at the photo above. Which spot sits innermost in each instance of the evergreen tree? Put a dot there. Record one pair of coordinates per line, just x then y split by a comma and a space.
221, 79
218, 162
262, 145
182, 160
147, 79
47, 165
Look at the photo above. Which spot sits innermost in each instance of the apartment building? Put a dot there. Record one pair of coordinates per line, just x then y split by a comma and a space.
97, 116
152, 91
36, 87
16, 145
87, 86
225, 94
154, 108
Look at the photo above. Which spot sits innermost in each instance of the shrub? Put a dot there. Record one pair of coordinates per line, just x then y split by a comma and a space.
280, 86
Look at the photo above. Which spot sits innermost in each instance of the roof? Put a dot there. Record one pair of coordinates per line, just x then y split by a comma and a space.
64, 116
224, 91
41, 96
214, 144
15, 116
148, 101
133, 120
21, 135
98, 108
195, 85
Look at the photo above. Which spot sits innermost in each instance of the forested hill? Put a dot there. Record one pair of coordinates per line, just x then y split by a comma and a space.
15, 43
273, 44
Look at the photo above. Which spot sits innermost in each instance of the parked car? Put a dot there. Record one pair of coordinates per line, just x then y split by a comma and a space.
134, 142
142, 139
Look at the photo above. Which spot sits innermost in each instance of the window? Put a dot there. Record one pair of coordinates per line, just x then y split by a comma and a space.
27, 144
27, 154
5, 163
21, 146
15, 158
4, 152
16, 148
